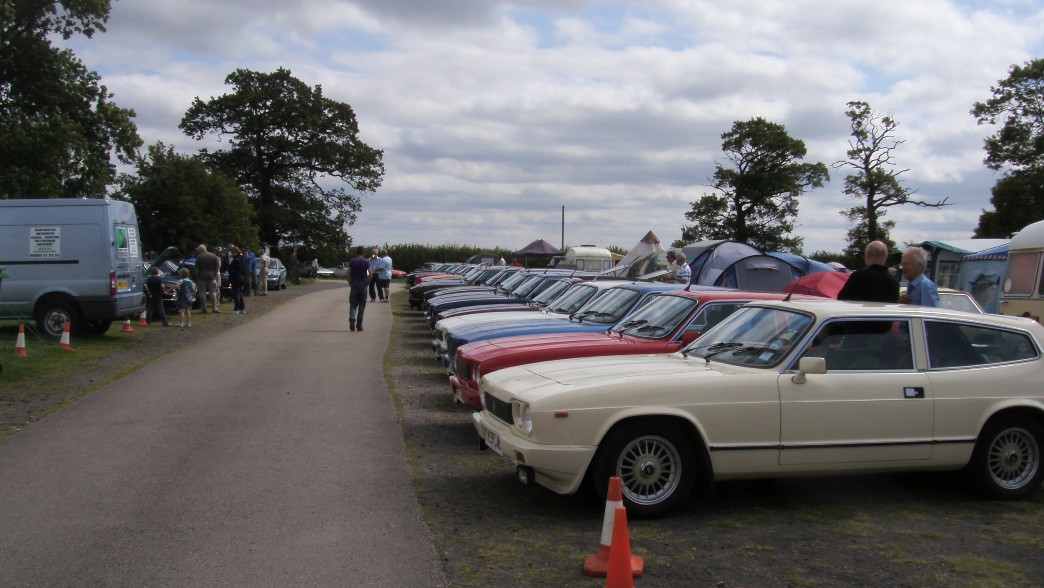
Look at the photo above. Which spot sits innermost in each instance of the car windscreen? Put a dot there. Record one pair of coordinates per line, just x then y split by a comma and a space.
608, 308
657, 316
752, 336
570, 302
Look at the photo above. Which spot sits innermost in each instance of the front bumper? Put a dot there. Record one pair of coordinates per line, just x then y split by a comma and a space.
559, 468
464, 392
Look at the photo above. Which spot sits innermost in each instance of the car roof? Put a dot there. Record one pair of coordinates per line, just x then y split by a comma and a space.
827, 307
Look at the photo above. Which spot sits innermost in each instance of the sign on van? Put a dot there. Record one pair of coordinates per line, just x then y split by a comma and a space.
45, 242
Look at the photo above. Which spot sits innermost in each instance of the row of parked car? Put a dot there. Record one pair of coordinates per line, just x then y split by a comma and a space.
575, 378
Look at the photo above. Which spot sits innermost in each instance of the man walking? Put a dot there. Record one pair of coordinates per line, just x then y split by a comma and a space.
208, 267
375, 266
358, 279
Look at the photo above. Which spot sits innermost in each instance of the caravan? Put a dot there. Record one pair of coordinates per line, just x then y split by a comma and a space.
70, 260
1023, 291
585, 258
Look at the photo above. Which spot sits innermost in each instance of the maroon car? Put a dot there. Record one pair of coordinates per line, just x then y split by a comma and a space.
665, 323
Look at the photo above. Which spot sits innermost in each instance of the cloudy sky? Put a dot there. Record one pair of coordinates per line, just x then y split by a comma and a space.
493, 115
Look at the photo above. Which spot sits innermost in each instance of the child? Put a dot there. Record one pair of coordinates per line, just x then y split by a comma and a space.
155, 287
186, 292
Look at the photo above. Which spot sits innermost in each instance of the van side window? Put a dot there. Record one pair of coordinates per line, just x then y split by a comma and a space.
956, 345
1022, 272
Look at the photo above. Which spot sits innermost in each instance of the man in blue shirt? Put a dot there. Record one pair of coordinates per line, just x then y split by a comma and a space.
384, 276
358, 278
920, 290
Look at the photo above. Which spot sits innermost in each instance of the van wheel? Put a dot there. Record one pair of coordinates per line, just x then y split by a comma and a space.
54, 316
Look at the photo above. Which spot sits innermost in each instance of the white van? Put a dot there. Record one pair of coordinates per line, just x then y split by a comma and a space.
1023, 290
584, 258
70, 260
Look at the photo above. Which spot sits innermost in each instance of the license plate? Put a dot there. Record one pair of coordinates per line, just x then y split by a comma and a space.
493, 442
122, 285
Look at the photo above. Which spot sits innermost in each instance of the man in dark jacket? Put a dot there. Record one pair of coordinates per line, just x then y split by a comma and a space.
208, 279
873, 283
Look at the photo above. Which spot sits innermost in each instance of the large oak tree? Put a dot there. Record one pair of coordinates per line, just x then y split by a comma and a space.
293, 151
757, 198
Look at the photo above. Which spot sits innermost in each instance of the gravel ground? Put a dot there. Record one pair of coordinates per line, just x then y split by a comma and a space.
910, 530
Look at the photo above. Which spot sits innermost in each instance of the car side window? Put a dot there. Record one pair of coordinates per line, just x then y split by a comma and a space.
863, 345
953, 345
712, 314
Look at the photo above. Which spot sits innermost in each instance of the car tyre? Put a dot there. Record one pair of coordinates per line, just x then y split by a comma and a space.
1006, 462
54, 316
656, 464
96, 328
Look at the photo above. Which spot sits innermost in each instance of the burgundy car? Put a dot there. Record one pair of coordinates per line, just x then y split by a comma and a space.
664, 323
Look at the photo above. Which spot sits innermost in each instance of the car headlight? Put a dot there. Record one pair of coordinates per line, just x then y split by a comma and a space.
523, 418
476, 373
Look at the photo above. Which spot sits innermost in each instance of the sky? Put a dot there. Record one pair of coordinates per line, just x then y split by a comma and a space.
495, 116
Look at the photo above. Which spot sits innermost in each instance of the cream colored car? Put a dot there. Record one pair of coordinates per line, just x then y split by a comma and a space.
783, 389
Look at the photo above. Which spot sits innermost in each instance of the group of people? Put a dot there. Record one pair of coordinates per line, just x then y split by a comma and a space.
247, 273
367, 276
875, 283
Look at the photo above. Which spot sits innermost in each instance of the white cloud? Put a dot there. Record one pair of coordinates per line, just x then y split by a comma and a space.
494, 115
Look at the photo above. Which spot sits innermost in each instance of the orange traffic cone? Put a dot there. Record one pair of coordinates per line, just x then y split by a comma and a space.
64, 343
142, 321
598, 564
621, 571
20, 342
127, 328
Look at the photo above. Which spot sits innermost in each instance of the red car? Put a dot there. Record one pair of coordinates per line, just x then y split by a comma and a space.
665, 323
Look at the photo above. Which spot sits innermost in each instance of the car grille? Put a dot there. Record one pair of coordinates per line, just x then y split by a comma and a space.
497, 407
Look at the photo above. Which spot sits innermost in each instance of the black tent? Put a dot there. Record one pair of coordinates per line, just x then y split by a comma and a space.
538, 248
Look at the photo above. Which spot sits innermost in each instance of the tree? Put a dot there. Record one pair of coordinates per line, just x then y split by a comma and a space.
875, 183
180, 202
758, 198
59, 128
1017, 148
1017, 199
287, 144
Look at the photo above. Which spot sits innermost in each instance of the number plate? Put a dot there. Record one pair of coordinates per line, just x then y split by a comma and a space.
493, 442
122, 285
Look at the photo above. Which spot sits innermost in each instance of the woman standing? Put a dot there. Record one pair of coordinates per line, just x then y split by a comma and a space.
237, 278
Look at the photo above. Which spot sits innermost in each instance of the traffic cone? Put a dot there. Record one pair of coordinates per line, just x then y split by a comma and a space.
142, 321
598, 564
127, 328
64, 343
20, 342
621, 567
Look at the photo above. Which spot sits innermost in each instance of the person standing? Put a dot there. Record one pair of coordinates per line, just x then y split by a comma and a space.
237, 278
919, 289
251, 262
682, 271
208, 277
185, 291
384, 276
873, 283
358, 279
375, 266
154, 285
263, 262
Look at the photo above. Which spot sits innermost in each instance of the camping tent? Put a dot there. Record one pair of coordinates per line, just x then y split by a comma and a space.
804, 264
708, 260
981, 274
538, 248
764, 273
650, 243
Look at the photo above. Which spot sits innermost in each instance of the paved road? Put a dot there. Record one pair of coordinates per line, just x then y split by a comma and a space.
266, 456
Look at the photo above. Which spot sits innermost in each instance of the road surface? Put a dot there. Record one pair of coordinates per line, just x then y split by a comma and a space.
268, 455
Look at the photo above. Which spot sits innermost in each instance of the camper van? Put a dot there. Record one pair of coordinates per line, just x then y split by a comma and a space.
1023, 290
70, 260
585, 258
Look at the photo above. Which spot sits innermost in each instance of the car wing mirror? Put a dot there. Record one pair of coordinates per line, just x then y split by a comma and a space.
809, 365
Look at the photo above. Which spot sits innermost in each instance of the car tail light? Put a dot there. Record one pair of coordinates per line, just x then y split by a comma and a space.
112, 283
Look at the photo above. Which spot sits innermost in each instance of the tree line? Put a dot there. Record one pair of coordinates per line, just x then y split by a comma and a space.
292, 169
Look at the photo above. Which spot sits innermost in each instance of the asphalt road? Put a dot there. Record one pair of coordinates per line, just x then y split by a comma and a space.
268, 455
